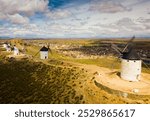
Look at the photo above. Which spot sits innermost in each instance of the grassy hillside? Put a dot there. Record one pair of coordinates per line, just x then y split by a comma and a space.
34, 82
31, 82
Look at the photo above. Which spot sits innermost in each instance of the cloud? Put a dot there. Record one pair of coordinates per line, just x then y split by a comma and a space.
128, 25
122, 27
143, 20
21, 9
58, 14
27, 30
125, 22
74, 18
18, 19
108, 7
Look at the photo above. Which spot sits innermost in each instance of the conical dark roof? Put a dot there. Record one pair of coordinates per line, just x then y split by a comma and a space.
44, 49
131, 55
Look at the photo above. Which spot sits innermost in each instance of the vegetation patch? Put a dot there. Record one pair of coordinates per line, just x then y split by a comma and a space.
34, 82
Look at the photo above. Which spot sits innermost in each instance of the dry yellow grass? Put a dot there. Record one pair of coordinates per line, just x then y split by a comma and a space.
57, 80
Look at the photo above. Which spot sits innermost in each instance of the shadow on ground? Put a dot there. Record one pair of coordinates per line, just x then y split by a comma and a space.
33, 82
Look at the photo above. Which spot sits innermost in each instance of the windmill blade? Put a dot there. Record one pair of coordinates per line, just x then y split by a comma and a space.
49, 48
129, 43
116, 48
36, 54
114, 62
112, 67
144, 63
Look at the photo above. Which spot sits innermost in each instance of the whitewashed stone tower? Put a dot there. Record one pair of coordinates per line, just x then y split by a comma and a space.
44, 53
131, 66
16, 50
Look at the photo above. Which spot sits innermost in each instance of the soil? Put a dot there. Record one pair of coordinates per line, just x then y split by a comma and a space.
111, 79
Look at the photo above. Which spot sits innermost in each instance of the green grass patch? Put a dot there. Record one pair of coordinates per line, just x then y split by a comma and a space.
107, 62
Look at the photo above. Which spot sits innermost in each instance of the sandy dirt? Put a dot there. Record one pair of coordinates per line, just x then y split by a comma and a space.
111, 79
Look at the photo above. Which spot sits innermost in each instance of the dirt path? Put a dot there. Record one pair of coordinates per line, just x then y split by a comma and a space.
111, 79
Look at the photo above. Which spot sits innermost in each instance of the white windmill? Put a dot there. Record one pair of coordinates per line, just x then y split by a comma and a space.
131, 62
8, 48
16, 50
44, 51
5, 45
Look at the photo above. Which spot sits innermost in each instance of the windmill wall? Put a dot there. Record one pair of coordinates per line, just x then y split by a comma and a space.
131, 69
44, 54
8, 49
16, 51
4, 45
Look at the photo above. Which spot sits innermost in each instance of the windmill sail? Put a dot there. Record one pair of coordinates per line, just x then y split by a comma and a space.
116, 48
129, 43
49, 48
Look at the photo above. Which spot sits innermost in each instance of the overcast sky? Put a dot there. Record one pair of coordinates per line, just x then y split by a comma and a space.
74, 18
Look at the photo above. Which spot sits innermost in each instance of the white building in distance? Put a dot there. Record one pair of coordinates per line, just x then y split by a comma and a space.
44, 53
16, 51
5, 45
8, 48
